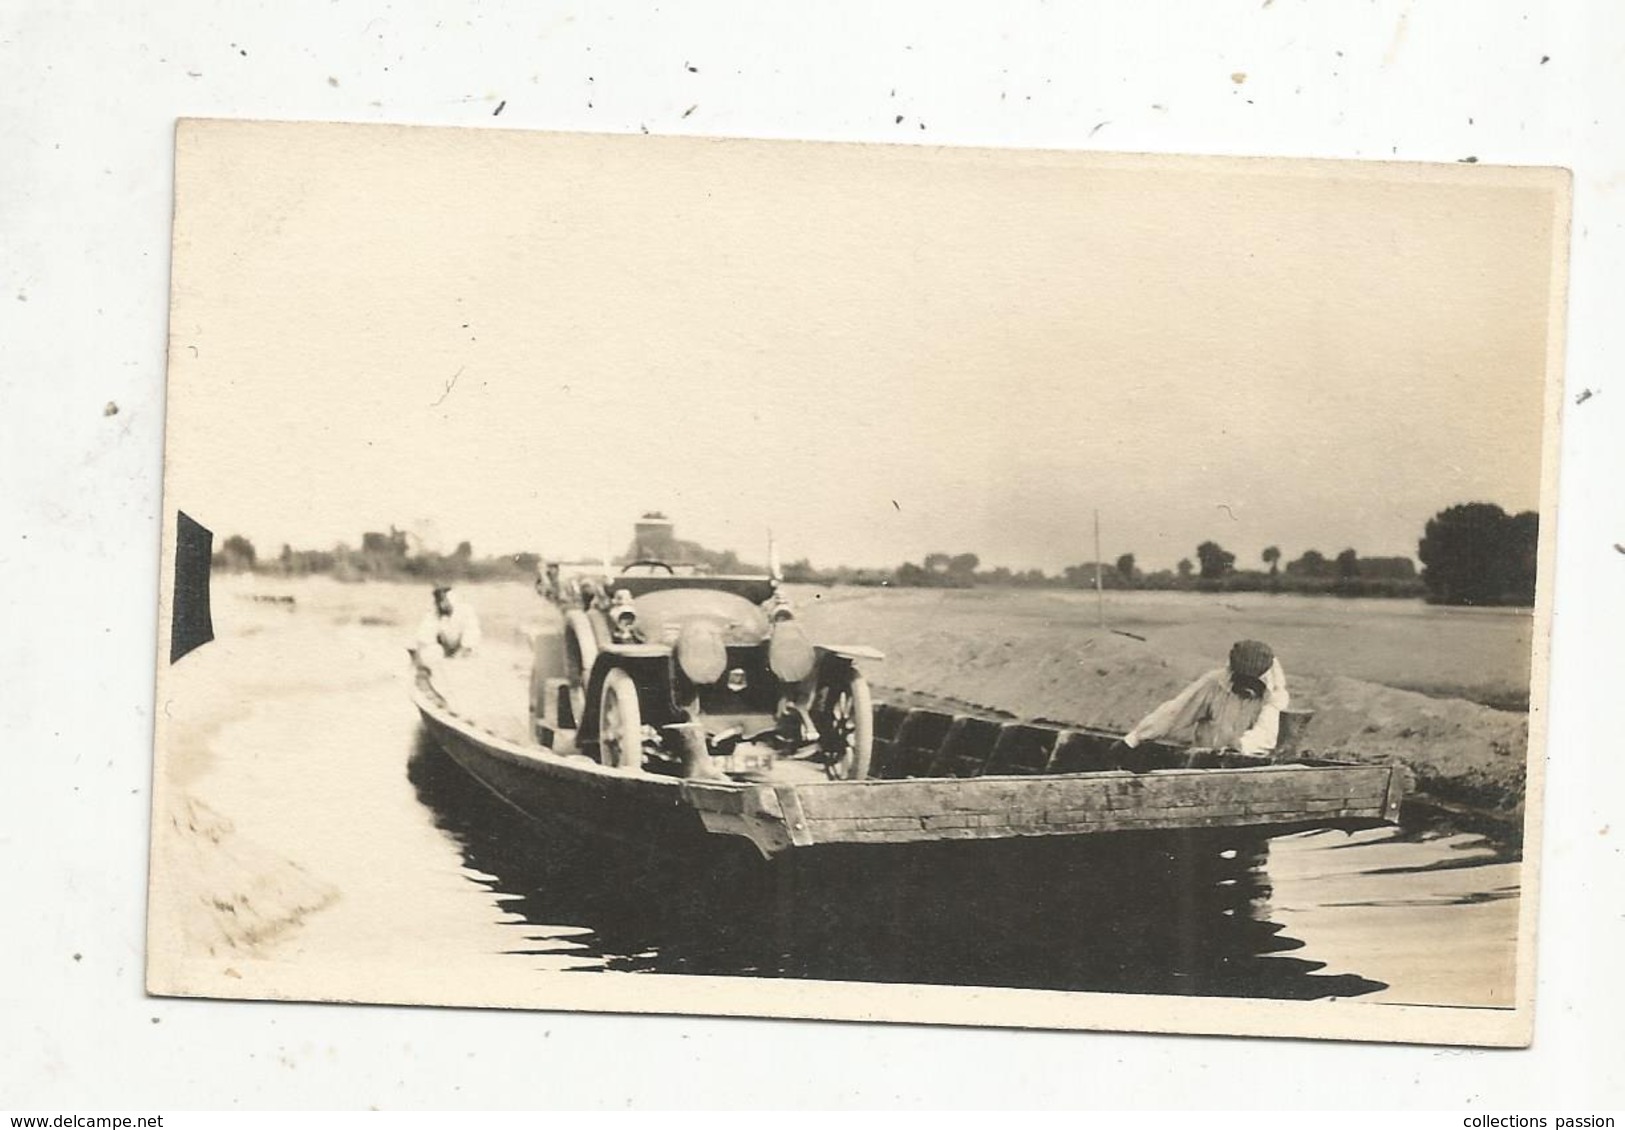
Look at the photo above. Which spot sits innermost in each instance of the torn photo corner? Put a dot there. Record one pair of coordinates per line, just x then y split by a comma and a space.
962, 586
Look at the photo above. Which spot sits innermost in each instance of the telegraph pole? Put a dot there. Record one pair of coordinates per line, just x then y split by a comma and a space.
1100, 592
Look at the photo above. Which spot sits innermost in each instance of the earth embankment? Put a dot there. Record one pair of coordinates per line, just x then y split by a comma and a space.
1036, 657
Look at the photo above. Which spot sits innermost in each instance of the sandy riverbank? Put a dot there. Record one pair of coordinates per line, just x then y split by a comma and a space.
285, 824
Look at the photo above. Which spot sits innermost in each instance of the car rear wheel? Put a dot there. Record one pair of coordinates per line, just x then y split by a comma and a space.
620, 723
849, 725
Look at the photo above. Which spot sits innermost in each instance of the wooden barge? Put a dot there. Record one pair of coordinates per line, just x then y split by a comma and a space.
937, 776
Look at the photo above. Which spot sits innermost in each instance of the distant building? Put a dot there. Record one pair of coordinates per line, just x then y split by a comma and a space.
383, 553
654, 538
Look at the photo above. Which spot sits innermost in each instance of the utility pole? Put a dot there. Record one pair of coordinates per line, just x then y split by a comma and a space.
1100, 592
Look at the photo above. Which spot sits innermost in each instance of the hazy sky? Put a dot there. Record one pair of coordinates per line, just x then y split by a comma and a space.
875, 351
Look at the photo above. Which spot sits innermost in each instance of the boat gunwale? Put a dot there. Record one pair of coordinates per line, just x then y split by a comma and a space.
545, 757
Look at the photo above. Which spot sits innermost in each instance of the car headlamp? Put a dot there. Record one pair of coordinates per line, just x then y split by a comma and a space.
623, 617
702, 655
790, 652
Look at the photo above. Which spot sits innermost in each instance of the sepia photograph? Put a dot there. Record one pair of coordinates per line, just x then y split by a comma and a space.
930, 584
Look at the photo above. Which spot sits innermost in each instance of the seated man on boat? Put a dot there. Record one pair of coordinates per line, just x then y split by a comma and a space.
450, 631
547, 580
1237, 706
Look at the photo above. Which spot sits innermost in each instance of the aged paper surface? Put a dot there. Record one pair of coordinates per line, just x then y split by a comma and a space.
398, 354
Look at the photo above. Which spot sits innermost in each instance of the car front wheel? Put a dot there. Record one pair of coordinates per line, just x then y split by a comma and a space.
620, 723
848, 726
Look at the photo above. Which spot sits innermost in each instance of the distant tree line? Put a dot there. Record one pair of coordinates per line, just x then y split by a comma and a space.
381, 556
1471, 554
1474, 553
1348, 574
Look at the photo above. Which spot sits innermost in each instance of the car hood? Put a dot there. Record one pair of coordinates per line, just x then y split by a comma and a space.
663, 614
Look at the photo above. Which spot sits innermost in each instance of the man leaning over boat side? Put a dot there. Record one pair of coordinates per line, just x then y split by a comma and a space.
451, 630
1237, 706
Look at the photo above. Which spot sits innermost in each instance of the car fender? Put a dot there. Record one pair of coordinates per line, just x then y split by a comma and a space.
579, 629
852, 651
649, 665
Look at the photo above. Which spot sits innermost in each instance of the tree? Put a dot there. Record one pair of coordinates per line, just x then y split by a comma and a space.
938, 563
1125, 567
799, 572
1216, 562
1311, 564
1348, 565
1388, 568
1185, 567
236, 554
909, 573
962, 566
1272, 557
1475, 553
1523, 556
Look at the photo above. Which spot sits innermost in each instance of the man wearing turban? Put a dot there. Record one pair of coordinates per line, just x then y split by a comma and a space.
1237, 706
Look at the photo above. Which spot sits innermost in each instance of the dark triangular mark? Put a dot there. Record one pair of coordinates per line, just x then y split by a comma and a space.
190, 625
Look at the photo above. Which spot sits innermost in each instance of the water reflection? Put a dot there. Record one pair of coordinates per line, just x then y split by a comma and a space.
1144, 915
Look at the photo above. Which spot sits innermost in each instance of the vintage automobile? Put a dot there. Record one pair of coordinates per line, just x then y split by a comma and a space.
655, 667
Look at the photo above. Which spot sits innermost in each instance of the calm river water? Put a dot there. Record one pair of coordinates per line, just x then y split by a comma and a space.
1314, 916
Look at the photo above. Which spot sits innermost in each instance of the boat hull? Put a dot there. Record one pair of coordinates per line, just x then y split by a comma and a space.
1258, 801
